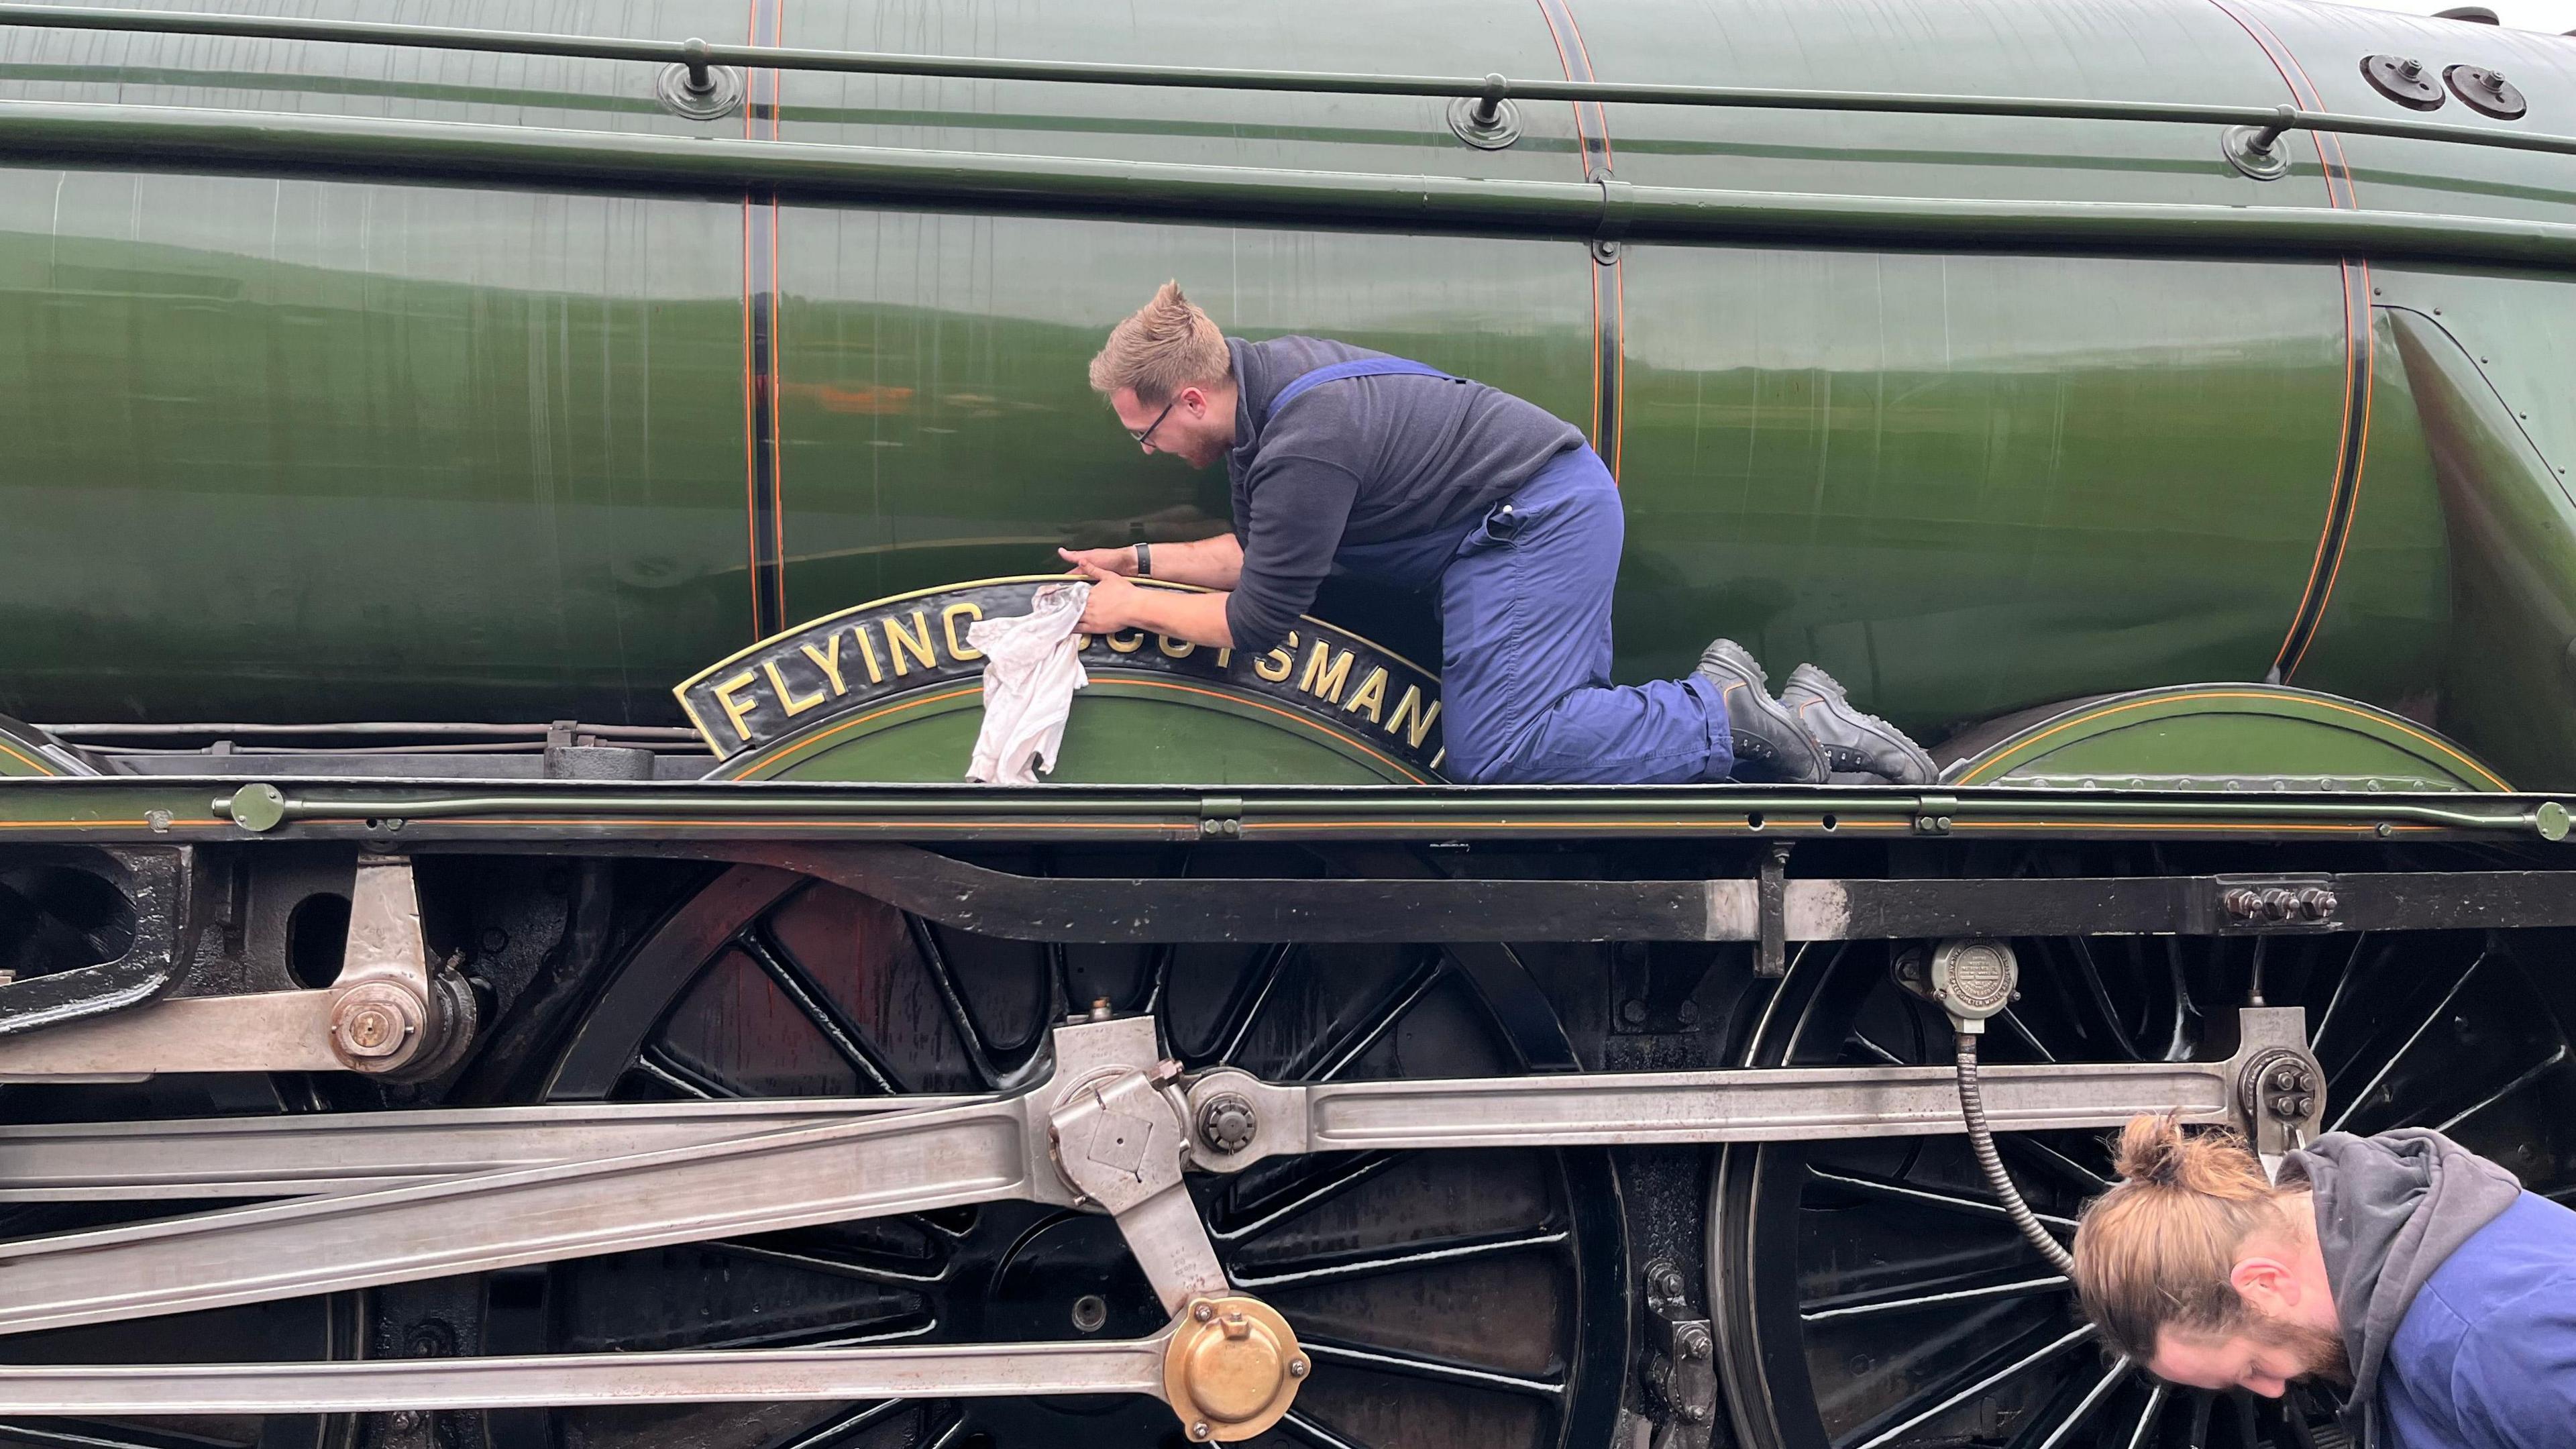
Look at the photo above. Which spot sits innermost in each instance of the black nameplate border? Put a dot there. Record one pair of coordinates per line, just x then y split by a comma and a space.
863, 657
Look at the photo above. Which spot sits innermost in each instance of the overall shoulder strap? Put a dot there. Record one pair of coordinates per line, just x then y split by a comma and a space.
1299, 385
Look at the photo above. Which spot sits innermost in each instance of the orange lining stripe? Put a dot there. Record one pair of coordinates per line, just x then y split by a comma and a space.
2108, 711
2360, 452
101, 824
32, 763
2281, 658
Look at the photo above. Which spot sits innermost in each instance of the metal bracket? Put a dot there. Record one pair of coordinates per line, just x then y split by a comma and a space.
1680, 1367
696, 89
1221, 818
1771, 957
160, 884
384, 1015
1488, 121
1618, 200
1117, 1140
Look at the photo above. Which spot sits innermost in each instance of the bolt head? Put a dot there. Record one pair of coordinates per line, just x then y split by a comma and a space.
374, 1022
1296, 1368
1203, 1312
1228, 1122
1200, 1431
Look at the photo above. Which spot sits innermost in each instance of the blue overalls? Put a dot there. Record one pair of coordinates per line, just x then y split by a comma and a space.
1525, 619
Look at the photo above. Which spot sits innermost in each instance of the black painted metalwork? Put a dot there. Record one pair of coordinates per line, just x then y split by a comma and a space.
159, 887
766, 985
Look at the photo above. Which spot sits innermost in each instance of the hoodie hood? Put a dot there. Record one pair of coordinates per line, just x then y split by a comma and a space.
2390, 1209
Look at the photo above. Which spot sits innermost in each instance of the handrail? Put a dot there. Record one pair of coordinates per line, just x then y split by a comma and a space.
648, 164
2267, 121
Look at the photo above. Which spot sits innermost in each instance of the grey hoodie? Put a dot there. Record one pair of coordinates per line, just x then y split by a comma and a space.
2390, 1209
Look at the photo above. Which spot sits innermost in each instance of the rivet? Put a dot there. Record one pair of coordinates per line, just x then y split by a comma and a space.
1203, 1312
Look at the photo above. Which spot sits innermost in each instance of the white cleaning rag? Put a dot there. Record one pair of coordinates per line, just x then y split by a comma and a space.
1030, 674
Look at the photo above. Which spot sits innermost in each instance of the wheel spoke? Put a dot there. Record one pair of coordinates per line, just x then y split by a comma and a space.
952, 1001
2353, 1103
1929, 1197
2111, 1379
2147, 1416
2334, 999
1298, 1426
1344, 1044
2547, 1065
683, 1077
2201, 1404
1312, 1269
2186, 1014
807, 997
1874, 1051
89, 1434
1421, 1366
951, 1436
1243, 1005
1953, 1400
1336, 1174
2031, 1149
858, 1421
2100, 991
2012, 1018
836, 1265
1865, 1305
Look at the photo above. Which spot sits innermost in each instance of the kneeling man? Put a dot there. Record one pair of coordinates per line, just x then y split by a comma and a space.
1345, 458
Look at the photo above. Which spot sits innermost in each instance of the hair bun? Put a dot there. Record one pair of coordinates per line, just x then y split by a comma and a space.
2154, 1151
2151, 1151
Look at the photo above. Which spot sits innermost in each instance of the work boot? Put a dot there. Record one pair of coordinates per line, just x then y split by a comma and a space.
1770, 744
1855, 744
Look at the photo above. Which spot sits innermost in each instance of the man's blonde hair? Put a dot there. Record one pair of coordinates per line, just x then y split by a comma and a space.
1168, 345
2158, 1249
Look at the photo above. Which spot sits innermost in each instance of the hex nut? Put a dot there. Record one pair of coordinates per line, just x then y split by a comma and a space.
1228, 1122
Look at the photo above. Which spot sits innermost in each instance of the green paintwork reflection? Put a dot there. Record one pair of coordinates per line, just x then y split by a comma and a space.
2252, 734
335, 451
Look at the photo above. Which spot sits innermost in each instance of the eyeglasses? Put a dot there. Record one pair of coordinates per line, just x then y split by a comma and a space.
1144, 438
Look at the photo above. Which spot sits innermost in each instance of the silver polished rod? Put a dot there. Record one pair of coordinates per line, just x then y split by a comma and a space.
1766, 1105
885, 1163
944, 1371
219, 1157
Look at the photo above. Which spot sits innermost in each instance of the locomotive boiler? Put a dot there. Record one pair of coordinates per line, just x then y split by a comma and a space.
497, 953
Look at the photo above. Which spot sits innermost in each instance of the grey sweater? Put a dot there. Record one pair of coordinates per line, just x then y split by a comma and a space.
1363, 460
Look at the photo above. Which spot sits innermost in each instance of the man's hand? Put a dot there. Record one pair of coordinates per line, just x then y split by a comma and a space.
1119, 561
1112, 605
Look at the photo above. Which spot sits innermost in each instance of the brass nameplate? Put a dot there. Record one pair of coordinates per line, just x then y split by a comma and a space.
867, 656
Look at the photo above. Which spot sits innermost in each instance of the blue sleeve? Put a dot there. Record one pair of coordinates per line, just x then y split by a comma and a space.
1299, 507
2514, 1382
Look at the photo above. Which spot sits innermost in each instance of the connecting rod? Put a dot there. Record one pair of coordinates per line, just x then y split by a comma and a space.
571, 1380
1112, 1129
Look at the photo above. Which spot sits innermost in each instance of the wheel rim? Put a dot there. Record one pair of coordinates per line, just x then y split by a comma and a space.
1872, 1295
1394, 1267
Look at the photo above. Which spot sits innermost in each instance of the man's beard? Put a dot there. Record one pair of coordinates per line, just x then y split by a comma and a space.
2320, 1351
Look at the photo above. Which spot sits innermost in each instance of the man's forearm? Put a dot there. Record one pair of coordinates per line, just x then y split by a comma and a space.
1198, 618
1213, 563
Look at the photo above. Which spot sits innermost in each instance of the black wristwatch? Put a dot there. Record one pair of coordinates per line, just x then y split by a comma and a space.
1144, 560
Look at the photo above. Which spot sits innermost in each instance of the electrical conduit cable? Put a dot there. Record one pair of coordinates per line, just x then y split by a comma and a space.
1981, 1141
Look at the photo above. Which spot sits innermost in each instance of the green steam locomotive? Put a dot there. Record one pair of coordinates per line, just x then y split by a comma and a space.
497, 953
